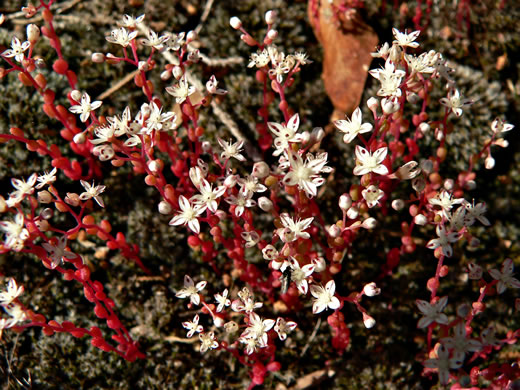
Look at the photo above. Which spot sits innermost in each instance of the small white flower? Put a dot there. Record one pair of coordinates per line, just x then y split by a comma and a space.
241, 202
460, 343
324, 297
231, 149
15, 232
46, 179
222, 300
258, 328
293, 229
283, 327
299, 274
154, 40
444, 240
17, 49
92, 191
367, 162
372, 195
432, 312
443, 363
445, 202
188, 215
306, 175
455, 103
404, 39
17, 314
121, 36
22, 188
353, 127
190, 290
207, 341
505, 277
389, 78
207, 199
58, 252
131, 22
12, 292
251, 238
500, 126
211, 87
85, 107
284, 134
193, 326
181, 91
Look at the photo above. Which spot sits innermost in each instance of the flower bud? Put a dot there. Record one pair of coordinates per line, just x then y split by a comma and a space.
470, 185
305, 137
154, 166
265, 204
334, 231
260, 170
412, 98
345, 201
398, 204
353, 212
72, 199
44, 197
97, 58
489, 162
231, 327
231, 181
143, 66
424, 127
272, 34
191, 36
75, 95
319, 264
427, 166
390, 105
166, 75
43, 225
371, 290
164, 207
317, 134
395, 54
80, 138
373, 104
368, 321
449, 184
47, 213
33, 33
177, 72
270, 17
369, 223
420, 220
235, 23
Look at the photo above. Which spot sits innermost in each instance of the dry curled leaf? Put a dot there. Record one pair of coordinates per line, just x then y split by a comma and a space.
347, 43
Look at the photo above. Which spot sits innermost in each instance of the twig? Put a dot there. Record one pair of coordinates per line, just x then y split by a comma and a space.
204, 16
311, 339
19, 17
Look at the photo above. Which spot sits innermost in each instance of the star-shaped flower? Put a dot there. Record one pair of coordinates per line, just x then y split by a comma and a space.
85, 107
505, 276
324, 297
190, 290
188, 215
353, 127
367, 162
432, 312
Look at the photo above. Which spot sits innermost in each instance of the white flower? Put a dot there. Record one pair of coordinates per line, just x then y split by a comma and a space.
157, 120
283, 327
231, 149
455, 103
241, 201
432, 312
207, 199
293, 229
154, 40
476, 211
251, 344
12, 292
353, 127
324, 297
306, 175
250, 185
460, 343
193, 326
46, 179
372, 195
505, 277
188, 215
285, 133
404, 39
299, 274
85, 107
444, 240
17, 49
15, 232
121, 36
22, 188
251, 238
190, 290
211, 87
500, 126
176, 41
443, 363
222, 300
367, 162
445, 202
207, 341
58, 252
258, 328
246, 302
371, 290
17, 314
390, 79
131, 22
92, 192
181, 91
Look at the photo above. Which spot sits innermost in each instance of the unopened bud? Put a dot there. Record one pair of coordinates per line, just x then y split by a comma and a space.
265, 204
97, 58
177, 72
372, 104
72, 199
272, 34
319, 264
260, 170
75, 95
449, 184
420, 220
369, 223
47, 213
191, 36
412, 98
80, 138
463, 310
470, 185
424, 127
353, 212
33, 33
235, 23
474, 271
334, 231
164, 207
206, 147
345, 201
44, 197
390, 105
398, 204
270, 17
143, 66
154, 166
489, 162
368, 321
371, 290
230, 181
43, 225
